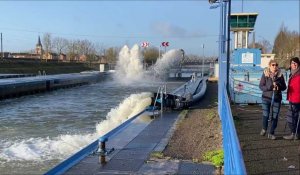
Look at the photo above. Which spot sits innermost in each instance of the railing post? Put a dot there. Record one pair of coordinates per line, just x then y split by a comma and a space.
102, 153
161, 98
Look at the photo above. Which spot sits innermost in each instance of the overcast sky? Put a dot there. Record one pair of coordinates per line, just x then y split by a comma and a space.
184, 24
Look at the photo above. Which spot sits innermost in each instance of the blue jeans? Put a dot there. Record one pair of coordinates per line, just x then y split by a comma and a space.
270, 114
293, 116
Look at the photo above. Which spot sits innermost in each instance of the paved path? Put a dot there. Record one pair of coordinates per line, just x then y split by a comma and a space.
262, 155
133, 158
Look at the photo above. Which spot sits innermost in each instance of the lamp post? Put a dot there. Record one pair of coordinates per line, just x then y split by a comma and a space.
228, 45
224, 36
202, 71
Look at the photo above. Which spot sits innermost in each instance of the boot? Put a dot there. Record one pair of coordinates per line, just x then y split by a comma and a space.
290, 137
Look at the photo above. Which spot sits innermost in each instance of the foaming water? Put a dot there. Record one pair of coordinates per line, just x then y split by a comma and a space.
37, 149
37, 132
128, 108
129, 66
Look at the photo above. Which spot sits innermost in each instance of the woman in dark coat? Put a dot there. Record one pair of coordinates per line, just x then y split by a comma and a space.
293, 96
272, 84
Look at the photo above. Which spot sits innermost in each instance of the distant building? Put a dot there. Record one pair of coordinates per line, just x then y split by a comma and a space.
62, 57
265, 59
82, 58
39, 47
37, 55
51, 56
25, 55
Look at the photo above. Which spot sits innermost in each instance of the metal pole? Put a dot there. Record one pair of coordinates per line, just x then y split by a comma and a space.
1, 48
159, 52
161, 100
202, 71
220, 81
228, 44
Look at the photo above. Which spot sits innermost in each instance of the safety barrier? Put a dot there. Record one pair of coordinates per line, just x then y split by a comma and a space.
97, 145
104, 138
247, 92
233, 157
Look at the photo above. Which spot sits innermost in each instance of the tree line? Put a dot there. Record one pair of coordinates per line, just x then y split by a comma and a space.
92, 51
285, 46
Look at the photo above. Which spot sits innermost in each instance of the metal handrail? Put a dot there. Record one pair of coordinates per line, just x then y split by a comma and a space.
102, 140
91, 148
233, 157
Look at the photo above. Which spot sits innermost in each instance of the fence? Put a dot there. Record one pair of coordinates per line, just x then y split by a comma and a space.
233, 157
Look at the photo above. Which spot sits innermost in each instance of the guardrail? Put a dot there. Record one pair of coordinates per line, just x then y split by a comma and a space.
248, 92
104, 138
92, 148
233, 157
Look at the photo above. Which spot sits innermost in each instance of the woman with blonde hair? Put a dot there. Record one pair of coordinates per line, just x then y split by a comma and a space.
272, 84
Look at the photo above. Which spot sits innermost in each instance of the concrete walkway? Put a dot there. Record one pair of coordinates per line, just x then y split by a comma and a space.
262, 155
135, 156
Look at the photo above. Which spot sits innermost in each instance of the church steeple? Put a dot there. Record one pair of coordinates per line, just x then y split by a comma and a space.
39, 42
39, 47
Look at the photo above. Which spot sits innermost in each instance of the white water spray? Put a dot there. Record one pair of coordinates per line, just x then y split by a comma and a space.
169, 60
129, 66
42, 149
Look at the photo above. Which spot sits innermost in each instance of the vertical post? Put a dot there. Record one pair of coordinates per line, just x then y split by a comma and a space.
102, 153
220, 81
228, 44
1, 48
161, 100
159, 52
202, 71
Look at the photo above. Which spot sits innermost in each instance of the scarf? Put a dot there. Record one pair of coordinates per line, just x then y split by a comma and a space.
272, 75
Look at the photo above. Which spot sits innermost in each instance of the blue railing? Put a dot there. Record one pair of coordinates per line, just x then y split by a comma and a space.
93, 147
233, 157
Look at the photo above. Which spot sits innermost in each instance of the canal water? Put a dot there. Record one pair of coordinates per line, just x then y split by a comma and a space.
39, 131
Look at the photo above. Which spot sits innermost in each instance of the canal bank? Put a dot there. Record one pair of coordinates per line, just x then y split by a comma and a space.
16, 87
138, 150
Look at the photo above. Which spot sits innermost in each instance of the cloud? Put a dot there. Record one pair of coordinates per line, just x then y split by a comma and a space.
168, 30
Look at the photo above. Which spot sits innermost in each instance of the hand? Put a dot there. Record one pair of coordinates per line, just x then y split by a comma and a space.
275, 87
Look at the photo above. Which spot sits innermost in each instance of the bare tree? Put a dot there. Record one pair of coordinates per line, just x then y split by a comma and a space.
151, 55
285, 45
111, 55
47, 43
60, 44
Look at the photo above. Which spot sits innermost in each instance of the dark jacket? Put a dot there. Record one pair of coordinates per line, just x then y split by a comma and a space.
266, 85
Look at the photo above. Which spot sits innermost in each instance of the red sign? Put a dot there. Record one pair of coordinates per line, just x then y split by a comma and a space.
165, 44
145, 44
239, 87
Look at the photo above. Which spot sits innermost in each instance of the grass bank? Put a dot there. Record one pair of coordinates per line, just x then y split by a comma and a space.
16, 66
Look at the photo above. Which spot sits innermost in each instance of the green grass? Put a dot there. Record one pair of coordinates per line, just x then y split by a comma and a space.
157, 155
216, 157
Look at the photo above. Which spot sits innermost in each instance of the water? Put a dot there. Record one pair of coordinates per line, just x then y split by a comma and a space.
39, 131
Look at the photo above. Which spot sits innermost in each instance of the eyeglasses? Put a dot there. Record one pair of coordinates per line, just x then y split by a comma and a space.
274, 65
293, 62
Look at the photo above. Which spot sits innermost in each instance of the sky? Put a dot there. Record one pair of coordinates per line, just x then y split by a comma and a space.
184, 24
